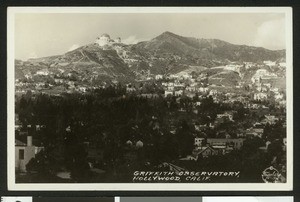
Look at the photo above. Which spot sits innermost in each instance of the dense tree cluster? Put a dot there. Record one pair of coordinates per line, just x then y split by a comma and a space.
112, 122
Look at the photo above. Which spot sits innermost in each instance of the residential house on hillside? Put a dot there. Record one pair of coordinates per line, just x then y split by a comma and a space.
237, 143
225, 117
158, 76
205, 152
198, 141
254, 132
168, 93
260, 96
269, 119
24, 153
179, 93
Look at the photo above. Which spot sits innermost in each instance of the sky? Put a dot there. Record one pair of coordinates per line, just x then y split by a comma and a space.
46, 34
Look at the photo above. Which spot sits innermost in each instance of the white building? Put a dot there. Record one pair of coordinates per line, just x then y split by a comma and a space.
278, 96
236, 143
178, 92
168, 93
105, 39
213, 92
260, 96
139, 144
282, 64
44, 72
24, 153
158, 76
269, 63
198, 141
203, 89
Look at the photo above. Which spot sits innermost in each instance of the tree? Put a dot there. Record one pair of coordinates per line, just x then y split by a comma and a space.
185, 138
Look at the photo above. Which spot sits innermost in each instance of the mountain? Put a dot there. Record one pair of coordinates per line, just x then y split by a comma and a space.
205, 49
89, 63
166, 53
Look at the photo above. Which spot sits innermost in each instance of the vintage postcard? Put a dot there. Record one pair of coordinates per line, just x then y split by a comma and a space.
156, 98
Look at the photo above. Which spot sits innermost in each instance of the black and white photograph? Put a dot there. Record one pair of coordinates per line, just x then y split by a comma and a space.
161, 98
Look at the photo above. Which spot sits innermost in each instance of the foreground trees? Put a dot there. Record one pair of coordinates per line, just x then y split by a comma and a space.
110, 123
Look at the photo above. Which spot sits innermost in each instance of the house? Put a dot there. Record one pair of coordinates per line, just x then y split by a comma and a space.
267, 85
198, 103
24, 153
130, 89
168, 93
198, 141
191, 88
43, 72
199, 127
222, 148
203, 90
57, 81
269, 119
203, 151
82, 89
149, 95
170, 84
158, 76
275, 90
236, 143
164, 84
227, 114
213, 92
207, 151
282, 64
278, 96
178, 85
190, 94
269, 63
225, 117
254, 132
139, 144
260, 96
129, 143
178, 92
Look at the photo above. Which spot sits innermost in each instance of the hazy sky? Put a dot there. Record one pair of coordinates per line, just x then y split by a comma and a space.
38, 35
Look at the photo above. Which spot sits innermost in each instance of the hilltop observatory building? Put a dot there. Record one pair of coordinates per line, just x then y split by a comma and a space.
105, 39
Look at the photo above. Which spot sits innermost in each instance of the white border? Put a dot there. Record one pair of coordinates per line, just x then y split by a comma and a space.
248, 198
146, 186
117, 199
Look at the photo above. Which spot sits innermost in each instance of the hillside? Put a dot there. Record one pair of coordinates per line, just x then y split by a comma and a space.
164, 54
205, 49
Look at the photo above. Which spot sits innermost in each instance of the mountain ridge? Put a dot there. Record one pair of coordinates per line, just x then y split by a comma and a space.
167, 53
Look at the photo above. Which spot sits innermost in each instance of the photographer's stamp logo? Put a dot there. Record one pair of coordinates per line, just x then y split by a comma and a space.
271, 175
